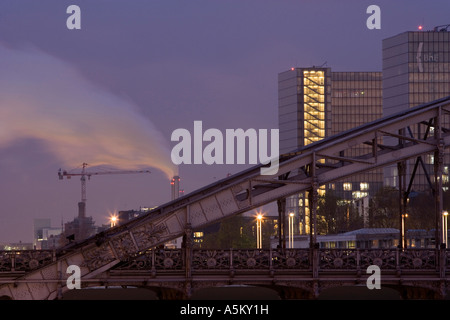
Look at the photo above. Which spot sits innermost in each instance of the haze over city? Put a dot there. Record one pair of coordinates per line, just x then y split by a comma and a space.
114, 91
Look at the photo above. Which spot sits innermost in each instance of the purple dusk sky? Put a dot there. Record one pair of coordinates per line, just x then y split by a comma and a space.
115, 90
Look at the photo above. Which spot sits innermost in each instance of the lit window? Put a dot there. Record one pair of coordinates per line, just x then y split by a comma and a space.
364, 186
347, 186
359, 194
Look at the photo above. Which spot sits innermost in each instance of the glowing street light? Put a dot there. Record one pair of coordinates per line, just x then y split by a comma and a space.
405, 215
444, 227
259, 218
291, 230
113, 221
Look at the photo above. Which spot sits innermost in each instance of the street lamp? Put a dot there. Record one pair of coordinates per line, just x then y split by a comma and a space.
405, 215
259, 218
113, 221
444, 227
291, 230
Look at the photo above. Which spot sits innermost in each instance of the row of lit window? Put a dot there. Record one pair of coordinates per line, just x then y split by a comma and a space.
348, 186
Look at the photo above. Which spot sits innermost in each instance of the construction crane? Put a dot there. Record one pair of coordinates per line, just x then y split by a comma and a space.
84, 174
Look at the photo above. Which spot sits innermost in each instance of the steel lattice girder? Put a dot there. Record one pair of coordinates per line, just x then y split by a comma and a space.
239, 193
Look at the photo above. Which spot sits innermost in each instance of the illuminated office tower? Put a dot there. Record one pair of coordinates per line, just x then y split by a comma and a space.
416, 70
304, 105
314, 103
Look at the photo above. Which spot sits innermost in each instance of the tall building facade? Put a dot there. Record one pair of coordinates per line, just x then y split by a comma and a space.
416, 70
304, 116
315, 103
356, 99
304, 106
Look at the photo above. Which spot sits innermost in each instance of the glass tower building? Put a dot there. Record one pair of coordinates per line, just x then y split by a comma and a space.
356, 99
315, 103
416, 70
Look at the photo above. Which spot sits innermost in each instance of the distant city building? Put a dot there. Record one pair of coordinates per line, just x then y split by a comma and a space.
315, 103
45, 236
79, 229
12, 246
416, 70
38, 226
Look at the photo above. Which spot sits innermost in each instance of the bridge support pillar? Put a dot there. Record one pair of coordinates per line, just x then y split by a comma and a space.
281, 203
313, 200
188, 243
402, 202
438, 171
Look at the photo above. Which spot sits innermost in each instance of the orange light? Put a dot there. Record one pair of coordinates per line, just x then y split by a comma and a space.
292, 69
420, 27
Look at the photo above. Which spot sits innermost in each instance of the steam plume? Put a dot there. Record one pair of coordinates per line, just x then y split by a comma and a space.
44, 98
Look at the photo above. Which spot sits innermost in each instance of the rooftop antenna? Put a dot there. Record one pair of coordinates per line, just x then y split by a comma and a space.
324, 64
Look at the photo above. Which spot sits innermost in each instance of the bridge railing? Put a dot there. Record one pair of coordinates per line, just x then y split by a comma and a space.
386, 259
25, 260
302, 260
319, 260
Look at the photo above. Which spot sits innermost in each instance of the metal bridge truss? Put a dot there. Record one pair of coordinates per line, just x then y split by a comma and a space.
303, 170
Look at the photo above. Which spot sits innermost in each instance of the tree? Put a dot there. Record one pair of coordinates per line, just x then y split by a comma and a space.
336, 215
384, 209
234, 232
421, 212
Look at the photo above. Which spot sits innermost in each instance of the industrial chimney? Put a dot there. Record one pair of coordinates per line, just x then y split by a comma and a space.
175, 185
81, 210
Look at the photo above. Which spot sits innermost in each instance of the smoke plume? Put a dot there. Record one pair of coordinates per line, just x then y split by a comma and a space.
44, 98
